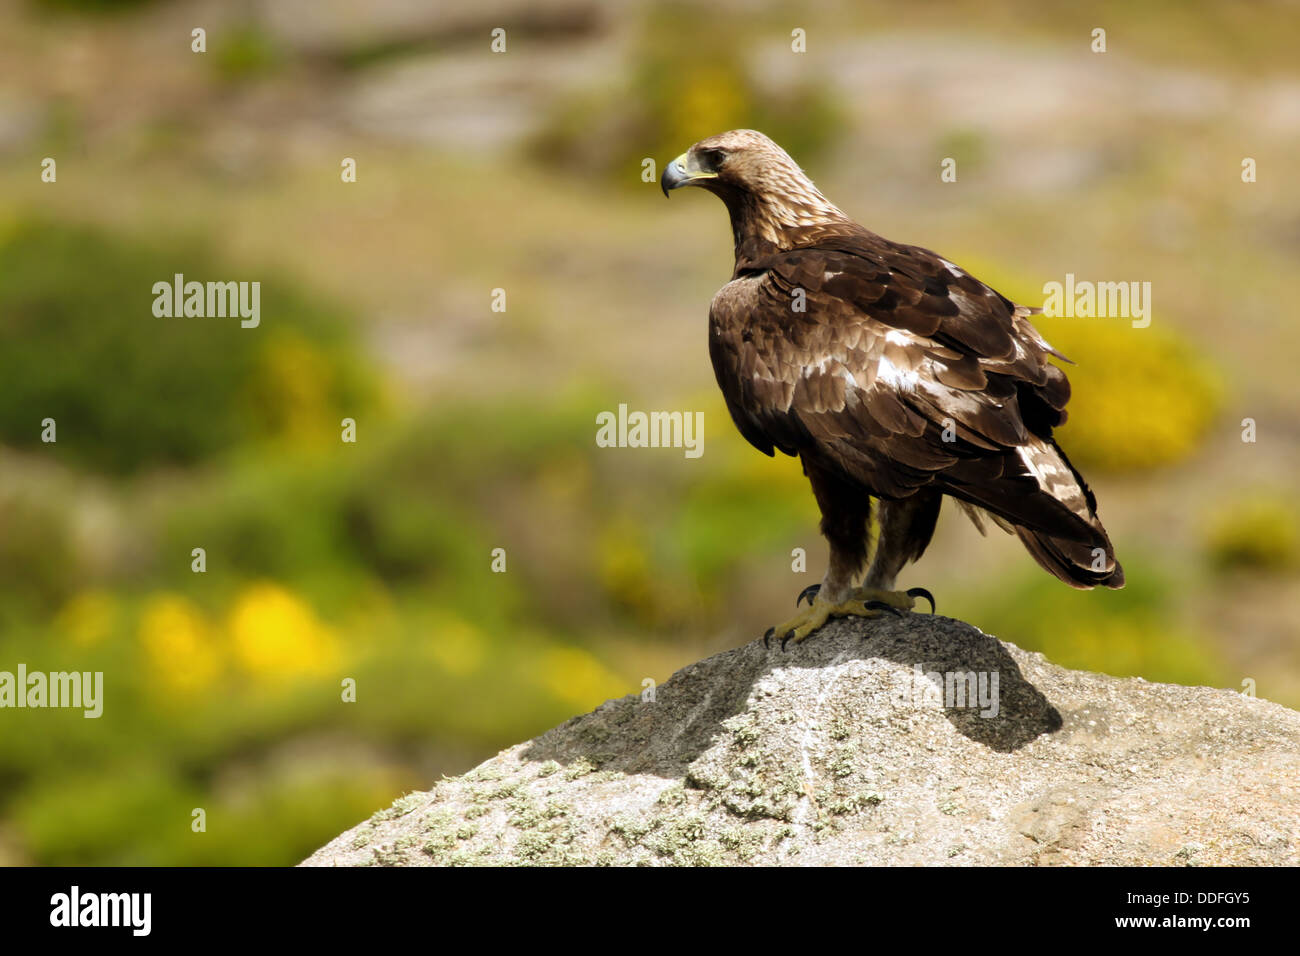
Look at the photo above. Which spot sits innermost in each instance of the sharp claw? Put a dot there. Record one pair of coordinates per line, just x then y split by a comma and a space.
768, 636
922, 593
809, 592
785, 640
882, 606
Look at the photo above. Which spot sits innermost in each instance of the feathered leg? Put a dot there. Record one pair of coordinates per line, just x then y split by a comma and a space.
846, 518
906, 527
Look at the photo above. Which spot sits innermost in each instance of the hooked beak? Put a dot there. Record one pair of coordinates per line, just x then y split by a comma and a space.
683, 171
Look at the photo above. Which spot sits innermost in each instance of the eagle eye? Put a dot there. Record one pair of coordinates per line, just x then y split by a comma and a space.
713, 158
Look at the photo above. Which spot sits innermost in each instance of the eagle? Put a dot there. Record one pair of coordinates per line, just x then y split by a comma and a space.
895, 376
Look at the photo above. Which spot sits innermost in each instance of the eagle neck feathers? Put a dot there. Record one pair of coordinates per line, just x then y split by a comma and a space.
780, 219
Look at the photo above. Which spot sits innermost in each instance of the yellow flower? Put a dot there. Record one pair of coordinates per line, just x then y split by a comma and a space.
275, 635
182, 652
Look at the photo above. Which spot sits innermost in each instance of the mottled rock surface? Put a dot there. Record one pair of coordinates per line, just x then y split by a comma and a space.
843, 751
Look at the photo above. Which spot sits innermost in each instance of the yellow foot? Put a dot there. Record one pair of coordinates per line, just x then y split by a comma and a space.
862, 602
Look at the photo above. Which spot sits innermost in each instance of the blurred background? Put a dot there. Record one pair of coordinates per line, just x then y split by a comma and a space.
475, 429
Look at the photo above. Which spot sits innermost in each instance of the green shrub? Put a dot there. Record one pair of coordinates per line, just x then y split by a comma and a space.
245, 51
129, 390
1258, 532
38, 560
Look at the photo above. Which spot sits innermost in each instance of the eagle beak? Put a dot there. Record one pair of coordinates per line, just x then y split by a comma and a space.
683, 171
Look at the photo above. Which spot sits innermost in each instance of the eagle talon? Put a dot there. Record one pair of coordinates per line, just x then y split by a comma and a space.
810, 592
866, 603
922, 593
882, 606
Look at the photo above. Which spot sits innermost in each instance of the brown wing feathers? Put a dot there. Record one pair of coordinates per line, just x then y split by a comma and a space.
904, 371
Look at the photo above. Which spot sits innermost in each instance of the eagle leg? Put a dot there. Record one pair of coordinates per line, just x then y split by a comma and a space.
906, 526
846, 513
905, 529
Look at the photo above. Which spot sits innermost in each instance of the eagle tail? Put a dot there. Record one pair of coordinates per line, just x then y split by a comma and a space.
1056, 521
1078, 564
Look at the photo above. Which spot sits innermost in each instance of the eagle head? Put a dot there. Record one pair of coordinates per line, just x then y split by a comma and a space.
764, 189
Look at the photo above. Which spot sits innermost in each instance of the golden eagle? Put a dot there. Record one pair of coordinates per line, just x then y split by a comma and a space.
892, 373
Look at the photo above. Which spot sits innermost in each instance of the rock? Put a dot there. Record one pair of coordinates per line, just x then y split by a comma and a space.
841, 751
